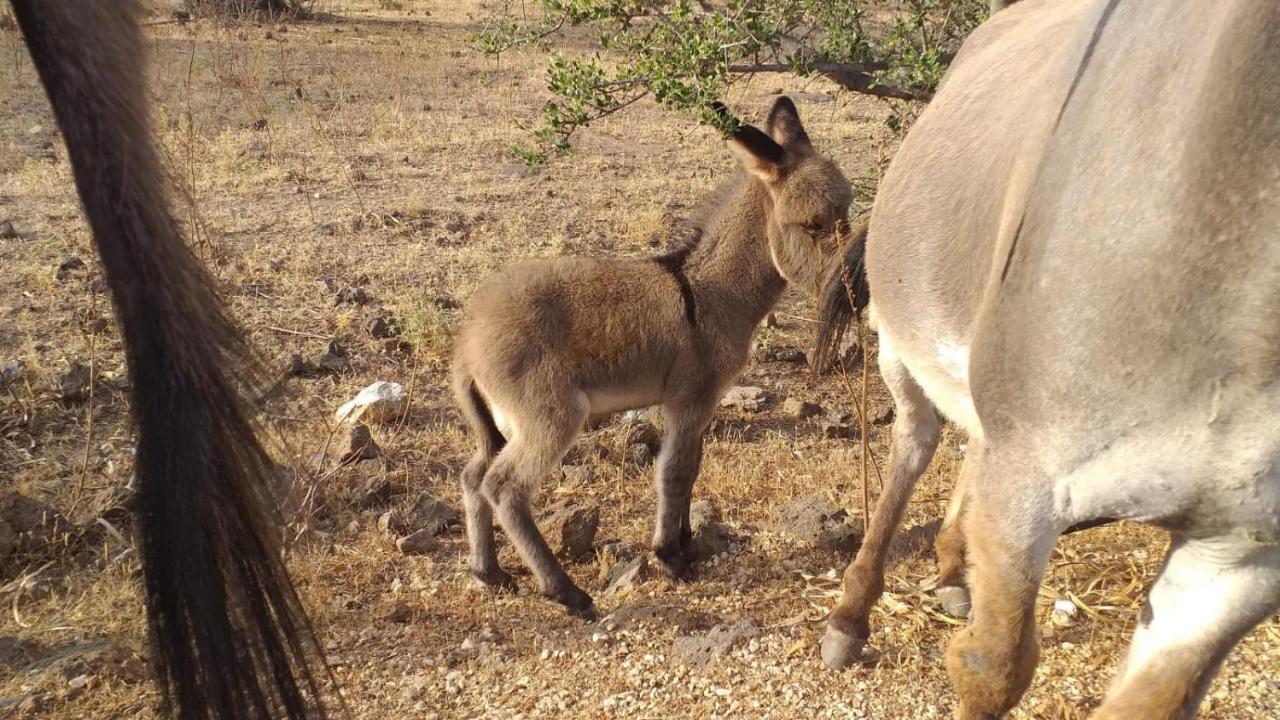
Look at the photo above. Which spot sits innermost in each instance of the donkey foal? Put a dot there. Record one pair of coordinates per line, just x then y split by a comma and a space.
548, 343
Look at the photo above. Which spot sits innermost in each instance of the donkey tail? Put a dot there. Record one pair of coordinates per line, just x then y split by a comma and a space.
230, 639
844, 297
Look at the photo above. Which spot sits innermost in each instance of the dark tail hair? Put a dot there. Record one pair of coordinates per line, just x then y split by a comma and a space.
843, 299
488, 436
230, 639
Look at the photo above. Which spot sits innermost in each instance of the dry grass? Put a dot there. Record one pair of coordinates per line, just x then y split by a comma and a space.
382, 157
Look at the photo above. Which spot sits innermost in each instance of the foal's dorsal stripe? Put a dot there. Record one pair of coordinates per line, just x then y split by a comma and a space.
1085, 59
674, 263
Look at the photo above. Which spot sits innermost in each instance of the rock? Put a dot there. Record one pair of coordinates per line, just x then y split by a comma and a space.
68, 267
1064, 613
577, 474
376, 403
612, 554
351, 295
702, 513
359, 444
700, 650
332, 360
31, 523
381, 324
392, 523
418, 543
850, 354
35, 705
74, 386
298, 367
640, 454
444, 302
838, 430
800, 409
782, 353
7, 231
432, 516
79, 682
710, 536
12, 372
816, 520
8, 540
401, 613
745, 398
643, 432
884, 416
624, 577
571, 530
377, 493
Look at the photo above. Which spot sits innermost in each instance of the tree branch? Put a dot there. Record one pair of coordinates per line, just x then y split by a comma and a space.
851, 76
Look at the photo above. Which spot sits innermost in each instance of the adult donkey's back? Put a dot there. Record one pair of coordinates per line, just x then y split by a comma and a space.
1076, 257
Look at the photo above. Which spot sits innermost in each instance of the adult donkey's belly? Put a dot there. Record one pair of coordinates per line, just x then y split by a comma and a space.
951, 199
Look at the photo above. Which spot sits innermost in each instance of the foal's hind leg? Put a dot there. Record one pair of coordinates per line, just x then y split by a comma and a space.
1208, 596
674, 474
915, 438
513, 478
484, 565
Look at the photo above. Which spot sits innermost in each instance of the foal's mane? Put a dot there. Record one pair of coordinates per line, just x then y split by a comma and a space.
688, 233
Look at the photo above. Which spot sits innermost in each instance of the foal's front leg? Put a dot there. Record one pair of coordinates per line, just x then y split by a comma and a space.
674, 473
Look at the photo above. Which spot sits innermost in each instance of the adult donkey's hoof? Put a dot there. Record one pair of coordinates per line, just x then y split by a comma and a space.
840, 650
955, 600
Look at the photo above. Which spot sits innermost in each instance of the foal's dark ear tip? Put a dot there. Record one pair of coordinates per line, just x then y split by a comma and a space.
785, 103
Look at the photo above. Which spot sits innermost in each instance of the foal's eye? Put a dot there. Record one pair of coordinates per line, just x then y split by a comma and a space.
814, 226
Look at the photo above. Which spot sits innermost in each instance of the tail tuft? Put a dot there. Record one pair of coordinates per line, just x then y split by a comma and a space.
844, 299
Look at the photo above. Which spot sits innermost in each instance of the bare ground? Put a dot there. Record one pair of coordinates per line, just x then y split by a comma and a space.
367, 148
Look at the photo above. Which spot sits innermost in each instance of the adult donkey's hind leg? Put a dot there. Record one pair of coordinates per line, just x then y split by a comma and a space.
949, 546
1009, 535
514, 476
675, 471
1209, 594
915, 438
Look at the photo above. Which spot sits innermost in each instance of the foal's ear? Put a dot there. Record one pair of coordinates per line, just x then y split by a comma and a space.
757, 152
784, 124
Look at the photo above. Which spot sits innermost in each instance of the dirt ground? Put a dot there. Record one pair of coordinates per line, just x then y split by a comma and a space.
368, 149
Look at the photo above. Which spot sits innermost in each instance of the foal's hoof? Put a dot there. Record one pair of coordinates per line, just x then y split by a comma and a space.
955, 600
577, 603
840, 650
677, 568
495, 579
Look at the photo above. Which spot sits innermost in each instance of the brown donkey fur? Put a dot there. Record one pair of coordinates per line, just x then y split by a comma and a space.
548, 343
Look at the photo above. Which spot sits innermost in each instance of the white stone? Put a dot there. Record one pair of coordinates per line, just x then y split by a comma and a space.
380, 401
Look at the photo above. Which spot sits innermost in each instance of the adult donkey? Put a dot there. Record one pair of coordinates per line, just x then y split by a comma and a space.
1076, 257
229, 635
